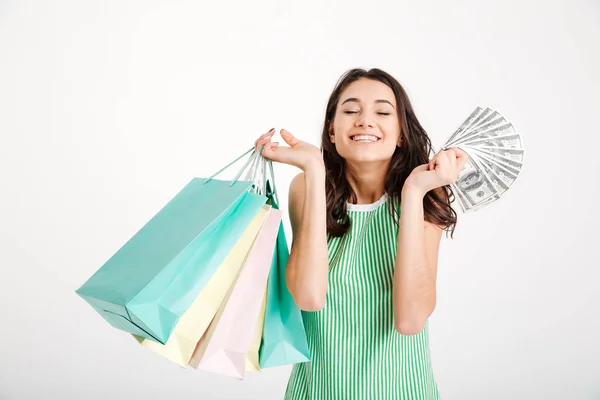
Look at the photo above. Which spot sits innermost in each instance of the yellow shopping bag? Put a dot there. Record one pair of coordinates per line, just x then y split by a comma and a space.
226, 347
195, 321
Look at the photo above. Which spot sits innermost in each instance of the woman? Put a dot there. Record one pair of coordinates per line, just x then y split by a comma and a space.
367, 214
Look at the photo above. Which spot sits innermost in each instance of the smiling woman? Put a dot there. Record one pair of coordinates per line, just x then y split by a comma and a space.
367, 214
374, 103
366, 137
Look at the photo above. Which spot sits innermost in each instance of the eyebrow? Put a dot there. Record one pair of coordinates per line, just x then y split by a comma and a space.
357, 100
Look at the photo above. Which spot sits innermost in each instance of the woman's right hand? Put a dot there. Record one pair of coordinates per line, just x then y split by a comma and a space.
299, 154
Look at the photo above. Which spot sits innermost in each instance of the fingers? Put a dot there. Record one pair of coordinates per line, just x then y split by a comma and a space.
457, 153
432, 163
270, 133
271, 146
264, 139
461, 158
456, 160
451, 155
275, 153
438, 160
443, 161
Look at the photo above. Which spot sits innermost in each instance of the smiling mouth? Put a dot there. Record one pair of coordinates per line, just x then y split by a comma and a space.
364, 138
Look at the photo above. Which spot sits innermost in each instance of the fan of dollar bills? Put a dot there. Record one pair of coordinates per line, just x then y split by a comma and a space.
496, 154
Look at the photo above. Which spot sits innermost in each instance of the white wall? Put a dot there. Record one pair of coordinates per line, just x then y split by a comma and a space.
108, 108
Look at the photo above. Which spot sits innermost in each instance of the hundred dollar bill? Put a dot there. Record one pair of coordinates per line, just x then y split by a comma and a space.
511, 165
494, 116
464, 203
473, 130
499, 177
463, 127
502, 175
458, 198
507, 174
486, 131
474, 185
482, 116
508, 141
507, 154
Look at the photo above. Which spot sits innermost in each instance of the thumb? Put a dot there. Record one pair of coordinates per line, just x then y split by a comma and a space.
289, 138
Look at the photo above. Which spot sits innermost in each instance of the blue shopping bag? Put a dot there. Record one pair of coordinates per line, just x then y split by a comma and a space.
147, 285
284, 337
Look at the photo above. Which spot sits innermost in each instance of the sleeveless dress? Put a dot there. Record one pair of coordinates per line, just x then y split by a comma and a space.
356, 353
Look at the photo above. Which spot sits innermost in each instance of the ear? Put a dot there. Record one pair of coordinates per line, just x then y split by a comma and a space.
399, 144
331, 134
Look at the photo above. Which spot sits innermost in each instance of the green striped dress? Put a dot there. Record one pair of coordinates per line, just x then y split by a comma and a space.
355, 351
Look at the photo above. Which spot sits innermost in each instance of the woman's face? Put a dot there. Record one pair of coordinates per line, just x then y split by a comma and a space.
365, 127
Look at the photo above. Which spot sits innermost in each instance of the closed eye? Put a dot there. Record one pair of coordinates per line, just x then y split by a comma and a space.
355, 112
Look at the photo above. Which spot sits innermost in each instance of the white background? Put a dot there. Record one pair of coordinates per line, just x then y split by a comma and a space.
108, 108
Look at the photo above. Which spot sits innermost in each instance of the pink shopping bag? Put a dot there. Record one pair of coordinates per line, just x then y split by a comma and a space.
224, 347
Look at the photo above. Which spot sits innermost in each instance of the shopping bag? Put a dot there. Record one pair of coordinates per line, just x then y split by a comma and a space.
153, 279
252, 357
194, 322
224, 347
284, 337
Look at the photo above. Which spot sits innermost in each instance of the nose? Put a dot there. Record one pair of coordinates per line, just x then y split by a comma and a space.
363, 121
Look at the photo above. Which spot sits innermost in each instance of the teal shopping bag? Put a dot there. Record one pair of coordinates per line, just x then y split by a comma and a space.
284, 337
152, 280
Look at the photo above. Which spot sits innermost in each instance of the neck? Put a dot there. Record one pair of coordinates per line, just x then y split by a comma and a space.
367, 181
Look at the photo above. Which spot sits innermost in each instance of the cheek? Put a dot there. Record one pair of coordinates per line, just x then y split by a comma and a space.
340, 128
393, 135
340, 125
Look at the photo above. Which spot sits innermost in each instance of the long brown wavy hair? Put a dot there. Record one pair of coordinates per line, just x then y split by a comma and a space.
415, 150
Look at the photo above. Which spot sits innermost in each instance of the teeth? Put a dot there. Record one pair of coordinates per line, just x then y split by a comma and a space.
365, 138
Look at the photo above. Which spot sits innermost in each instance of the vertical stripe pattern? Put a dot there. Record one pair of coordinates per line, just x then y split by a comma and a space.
356, 353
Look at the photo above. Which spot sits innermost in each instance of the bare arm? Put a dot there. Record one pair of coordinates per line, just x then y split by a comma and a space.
307, 268
415, 272
308, 264
416, 265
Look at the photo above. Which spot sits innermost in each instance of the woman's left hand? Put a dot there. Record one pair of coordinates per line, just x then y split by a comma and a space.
442, 170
